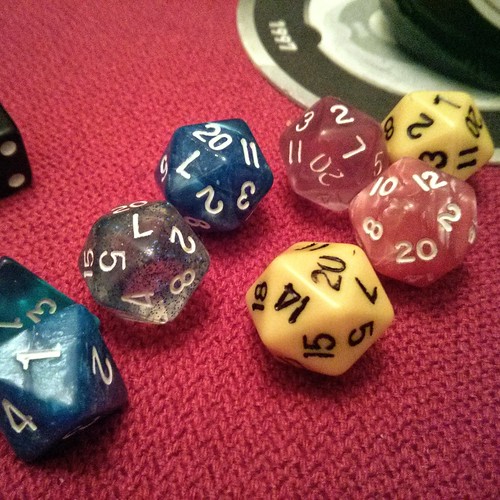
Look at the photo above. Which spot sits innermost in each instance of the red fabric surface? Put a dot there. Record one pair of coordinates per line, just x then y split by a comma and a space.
97, 88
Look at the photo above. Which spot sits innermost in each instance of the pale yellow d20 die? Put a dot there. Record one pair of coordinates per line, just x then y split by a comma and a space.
442, 128
319, 306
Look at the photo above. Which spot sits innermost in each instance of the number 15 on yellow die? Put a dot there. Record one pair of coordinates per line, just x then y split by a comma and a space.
319, 306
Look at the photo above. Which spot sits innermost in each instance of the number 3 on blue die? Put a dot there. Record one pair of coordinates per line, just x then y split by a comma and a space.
216, 174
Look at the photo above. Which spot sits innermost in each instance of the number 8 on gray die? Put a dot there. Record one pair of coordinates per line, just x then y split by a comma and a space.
143, 261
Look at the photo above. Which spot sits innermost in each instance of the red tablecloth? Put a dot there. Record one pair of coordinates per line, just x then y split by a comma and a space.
97, 89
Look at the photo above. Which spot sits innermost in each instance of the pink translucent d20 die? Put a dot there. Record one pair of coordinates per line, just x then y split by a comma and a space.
332, 152
415, 223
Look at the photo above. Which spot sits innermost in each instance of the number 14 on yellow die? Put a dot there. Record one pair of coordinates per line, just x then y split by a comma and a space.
319, 306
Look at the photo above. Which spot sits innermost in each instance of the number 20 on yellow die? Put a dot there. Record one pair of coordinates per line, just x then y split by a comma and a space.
319, 306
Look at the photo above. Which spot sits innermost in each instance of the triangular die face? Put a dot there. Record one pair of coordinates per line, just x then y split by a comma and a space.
52, 362
26, 299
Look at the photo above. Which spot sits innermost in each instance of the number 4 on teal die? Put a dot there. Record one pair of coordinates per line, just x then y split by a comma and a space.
56, 379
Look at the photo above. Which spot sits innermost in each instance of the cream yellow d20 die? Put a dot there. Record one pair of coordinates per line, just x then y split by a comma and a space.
319, 306
442, 128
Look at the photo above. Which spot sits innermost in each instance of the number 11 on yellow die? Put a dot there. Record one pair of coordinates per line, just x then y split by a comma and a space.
319, 306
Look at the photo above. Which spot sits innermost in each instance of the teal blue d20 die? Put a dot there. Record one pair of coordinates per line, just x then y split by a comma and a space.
56, 378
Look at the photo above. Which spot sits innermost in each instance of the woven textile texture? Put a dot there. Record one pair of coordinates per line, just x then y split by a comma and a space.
97, 88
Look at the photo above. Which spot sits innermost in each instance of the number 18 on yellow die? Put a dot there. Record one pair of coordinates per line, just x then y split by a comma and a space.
319, 306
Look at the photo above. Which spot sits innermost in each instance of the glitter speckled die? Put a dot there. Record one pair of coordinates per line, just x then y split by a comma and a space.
143, 261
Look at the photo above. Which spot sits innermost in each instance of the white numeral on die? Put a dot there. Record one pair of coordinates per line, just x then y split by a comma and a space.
209, 192
24, 420
429, 180
384, 187
360, 149
25, 357
96, 361
307, 119
246, 153
115, 256
176, 233
426, 249
218, 141
373, 228
88, 261
341, 119
164, 168
17, 323
181, 169
322, 167
39, 310
446, 218
125, 208
181, 281
378, 164
291, 153
135, 227
242, 203
142, 299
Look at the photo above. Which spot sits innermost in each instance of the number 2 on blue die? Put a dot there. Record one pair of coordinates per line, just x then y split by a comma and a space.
214, 174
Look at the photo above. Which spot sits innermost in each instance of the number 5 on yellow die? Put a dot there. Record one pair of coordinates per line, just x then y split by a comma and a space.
319, 306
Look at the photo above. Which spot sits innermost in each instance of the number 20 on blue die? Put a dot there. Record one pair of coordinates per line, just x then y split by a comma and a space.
214, 174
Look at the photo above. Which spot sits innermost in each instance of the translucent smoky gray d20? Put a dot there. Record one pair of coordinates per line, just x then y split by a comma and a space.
143, 261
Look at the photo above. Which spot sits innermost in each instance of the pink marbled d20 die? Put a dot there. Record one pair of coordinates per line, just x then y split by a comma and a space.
416, 223
332, 152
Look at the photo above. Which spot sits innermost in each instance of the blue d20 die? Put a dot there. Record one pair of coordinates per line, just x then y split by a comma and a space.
56, 378
25, 299
214, 174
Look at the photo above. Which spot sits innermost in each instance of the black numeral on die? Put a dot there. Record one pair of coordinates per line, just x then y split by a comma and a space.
324, 269
358, 334
289, 297
322, 342
426, 122
260, 295
473, 122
